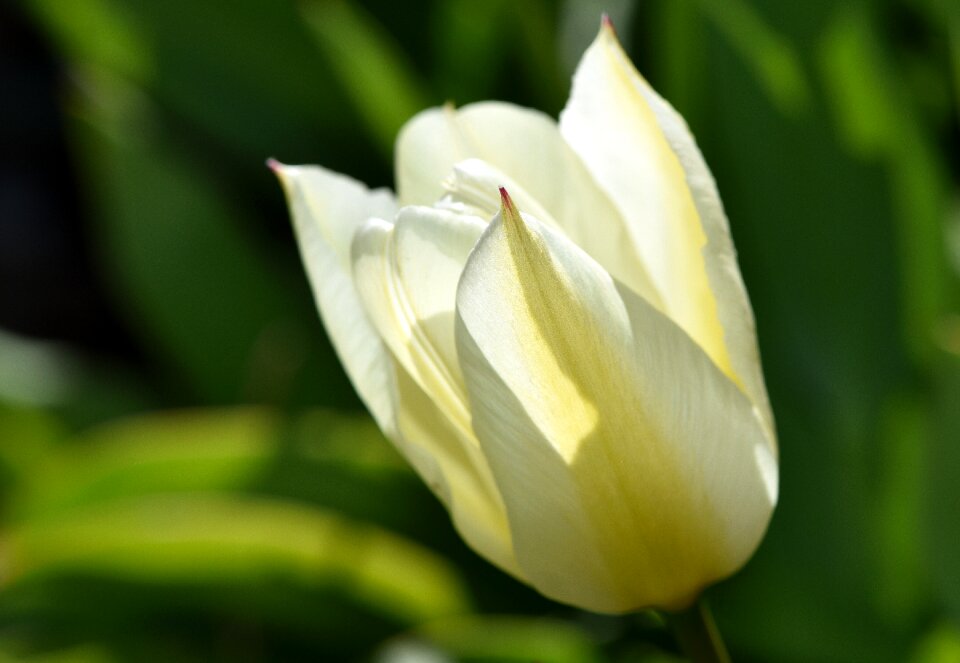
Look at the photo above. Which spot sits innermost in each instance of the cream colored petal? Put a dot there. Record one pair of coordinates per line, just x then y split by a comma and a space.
406, 273
506, 136
450, 462
474, 185
633, 471
493, 144
644, 157
327, 209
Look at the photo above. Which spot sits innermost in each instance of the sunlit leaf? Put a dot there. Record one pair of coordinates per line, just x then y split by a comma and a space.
98, 32
190, 450
26, 436
332, 460
941, 645
235, 541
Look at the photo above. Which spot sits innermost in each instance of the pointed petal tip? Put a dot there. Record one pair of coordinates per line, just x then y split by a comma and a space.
277, 168
606, 25
506, 204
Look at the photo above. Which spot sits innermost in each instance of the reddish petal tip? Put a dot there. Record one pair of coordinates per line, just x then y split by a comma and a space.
606, 23
274, 165
505, 199
507, 209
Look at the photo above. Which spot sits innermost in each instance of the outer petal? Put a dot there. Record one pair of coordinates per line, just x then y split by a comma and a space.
495, 144
327, 209
633, 471
452, 465
642, 154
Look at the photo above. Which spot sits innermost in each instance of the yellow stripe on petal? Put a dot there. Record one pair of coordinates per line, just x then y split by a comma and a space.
553, 342
634, 473
610, 125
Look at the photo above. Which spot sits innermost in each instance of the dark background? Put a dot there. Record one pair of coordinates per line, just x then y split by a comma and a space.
186, 473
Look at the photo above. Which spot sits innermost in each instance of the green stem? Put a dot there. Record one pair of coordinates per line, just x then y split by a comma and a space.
697, 634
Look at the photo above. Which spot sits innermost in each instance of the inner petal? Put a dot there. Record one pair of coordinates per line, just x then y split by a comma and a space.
592, 224
407, 275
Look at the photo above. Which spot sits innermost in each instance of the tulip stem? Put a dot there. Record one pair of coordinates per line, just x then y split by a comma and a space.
697, 634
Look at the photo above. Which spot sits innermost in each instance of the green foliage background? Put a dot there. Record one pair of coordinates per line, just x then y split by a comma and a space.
225, 498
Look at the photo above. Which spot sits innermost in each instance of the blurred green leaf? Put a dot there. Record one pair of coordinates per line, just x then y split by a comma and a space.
953, 31
372, 69
877, 118
510, 639
534, 41
234, 541
197, 284
679, 62
79, 654
172, 452
102, 33
27, 435
772, 58
231, 72
903, 583
336, 461
943, 500
941, 645
469, 49
945, 15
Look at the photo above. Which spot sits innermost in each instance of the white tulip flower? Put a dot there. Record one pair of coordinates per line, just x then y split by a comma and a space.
572, 366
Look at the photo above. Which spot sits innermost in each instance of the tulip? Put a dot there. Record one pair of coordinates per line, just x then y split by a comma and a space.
549, 322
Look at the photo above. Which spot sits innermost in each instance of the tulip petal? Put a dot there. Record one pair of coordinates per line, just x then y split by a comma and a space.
327, 209
451, 463
642, 154
633, 471
493, 144
406, 273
